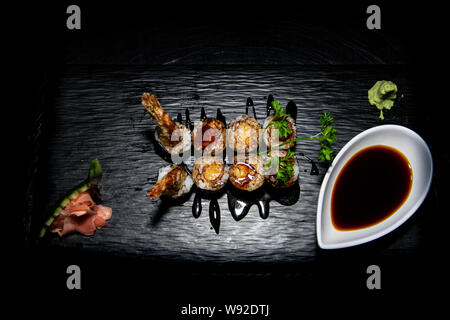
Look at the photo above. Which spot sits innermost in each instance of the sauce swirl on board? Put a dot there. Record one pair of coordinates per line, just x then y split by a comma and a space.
372, 185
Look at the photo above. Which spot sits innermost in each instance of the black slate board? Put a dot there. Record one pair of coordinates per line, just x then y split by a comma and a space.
96, 112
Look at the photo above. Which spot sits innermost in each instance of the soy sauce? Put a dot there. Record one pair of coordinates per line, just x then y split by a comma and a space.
371, 186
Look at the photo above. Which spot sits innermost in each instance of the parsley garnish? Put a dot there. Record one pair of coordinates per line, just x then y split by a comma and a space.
285, 168
326, 137
279, 120
284, 165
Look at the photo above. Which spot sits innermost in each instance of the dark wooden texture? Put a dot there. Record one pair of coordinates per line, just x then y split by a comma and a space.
96, 112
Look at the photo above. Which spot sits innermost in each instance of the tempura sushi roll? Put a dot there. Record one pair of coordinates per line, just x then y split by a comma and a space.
286, 132
182, 137
247, 172
173, 181
281, 168
209, 136
210, 173
174, 137
243, 134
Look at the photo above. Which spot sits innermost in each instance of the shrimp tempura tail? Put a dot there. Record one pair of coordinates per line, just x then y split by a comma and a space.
152, 105
162, 119
169, 184
157, 190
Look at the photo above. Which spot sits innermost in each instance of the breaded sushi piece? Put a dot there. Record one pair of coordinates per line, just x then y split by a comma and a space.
243, 134
247, 172
209, 136
174, 137
288, 165
270, 137
210, 173
173, 181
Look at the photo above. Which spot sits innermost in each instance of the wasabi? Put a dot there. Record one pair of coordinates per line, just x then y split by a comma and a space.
382, 95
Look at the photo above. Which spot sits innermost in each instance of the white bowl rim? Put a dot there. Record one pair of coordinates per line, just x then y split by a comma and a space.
391, 227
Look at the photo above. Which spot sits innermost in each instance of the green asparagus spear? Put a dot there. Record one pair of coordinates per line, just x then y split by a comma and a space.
94, 177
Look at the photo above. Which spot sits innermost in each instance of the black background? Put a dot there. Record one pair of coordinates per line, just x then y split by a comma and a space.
219, 33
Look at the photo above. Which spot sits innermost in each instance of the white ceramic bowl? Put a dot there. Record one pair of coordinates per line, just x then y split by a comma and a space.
407, 142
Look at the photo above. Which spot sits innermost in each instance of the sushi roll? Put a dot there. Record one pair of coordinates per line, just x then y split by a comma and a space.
247, 173
210, 173
209, 136
174, 137
243, 134
286, 132
281, 169
173, 181
181, 134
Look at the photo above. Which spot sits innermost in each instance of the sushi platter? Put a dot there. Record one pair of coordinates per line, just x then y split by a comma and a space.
210, 207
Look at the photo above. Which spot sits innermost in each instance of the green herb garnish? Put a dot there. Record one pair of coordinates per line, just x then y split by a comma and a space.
326, 137
279, 120
285, 167
280, 112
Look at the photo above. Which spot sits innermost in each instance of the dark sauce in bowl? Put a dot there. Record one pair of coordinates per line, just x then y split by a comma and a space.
372, 185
